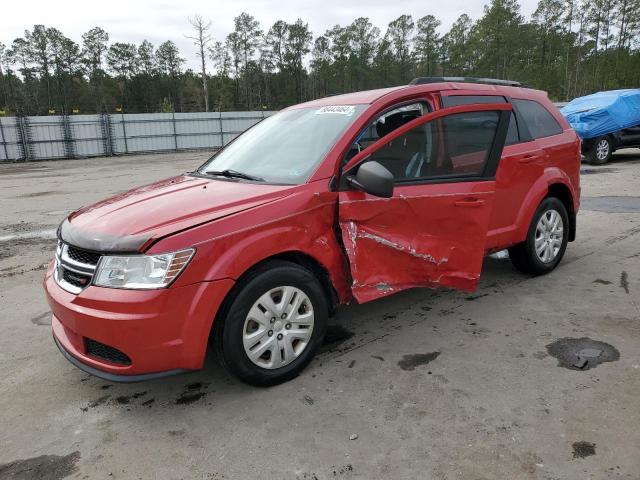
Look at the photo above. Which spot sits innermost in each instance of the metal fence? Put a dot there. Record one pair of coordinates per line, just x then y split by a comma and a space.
82, 136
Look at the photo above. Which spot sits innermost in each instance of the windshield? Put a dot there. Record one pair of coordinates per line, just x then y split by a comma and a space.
286, 147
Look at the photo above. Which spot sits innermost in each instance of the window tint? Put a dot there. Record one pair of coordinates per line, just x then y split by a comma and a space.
389, 121
539, 121
455, 100
513, 135
385, 124
453, 146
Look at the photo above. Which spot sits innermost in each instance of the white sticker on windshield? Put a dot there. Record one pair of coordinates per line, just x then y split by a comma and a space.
339, 109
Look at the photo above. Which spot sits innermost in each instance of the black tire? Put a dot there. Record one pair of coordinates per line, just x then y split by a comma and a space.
229, 335
524, 256
600, 151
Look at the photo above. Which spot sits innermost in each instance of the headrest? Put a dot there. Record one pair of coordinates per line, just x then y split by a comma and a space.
390, 124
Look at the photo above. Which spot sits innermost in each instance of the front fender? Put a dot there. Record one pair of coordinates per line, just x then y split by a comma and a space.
301, 223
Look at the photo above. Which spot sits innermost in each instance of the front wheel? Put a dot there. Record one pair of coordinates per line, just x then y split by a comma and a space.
546, 240
601, 151
275, 325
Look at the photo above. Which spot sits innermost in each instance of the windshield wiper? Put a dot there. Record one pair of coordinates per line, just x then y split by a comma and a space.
234, 174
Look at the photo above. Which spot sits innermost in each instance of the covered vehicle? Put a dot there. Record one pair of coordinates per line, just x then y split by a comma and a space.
605, 121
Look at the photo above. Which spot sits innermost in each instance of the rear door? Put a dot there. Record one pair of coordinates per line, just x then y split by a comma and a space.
521, 164
432, 231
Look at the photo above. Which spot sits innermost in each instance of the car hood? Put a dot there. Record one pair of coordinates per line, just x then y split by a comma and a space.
133, 220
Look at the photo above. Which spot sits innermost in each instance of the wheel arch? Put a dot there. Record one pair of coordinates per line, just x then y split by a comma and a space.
615, 140
554, 183
299, 258
563, 193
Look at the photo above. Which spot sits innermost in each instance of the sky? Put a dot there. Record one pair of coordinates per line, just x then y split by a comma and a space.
160, 20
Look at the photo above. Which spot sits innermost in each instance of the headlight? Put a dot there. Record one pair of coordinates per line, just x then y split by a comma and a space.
141, 271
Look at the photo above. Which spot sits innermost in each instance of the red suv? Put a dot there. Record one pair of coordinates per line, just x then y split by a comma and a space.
348, 197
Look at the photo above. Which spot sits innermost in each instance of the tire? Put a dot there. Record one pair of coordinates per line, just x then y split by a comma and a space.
524, 255
250, 327
600, 151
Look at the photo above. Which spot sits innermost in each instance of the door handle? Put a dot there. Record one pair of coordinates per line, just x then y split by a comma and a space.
530, 158
469, 202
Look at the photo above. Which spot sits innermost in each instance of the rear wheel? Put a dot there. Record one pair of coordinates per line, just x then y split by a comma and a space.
600, 151
275, 325
546, 239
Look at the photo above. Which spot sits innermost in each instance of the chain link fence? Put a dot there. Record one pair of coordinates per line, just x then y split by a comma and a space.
24, 138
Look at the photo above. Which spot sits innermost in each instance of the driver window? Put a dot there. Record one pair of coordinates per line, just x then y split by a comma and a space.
457, 145
385, 124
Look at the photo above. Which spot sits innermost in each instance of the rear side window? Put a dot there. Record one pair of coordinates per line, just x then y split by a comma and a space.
538, 119
455, 100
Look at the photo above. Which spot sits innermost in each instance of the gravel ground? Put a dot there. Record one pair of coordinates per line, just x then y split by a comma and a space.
423, 384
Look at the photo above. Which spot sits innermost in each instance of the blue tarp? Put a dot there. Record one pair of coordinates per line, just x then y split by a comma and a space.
603, 112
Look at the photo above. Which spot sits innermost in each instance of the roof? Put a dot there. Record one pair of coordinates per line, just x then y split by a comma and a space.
356, 98
370, 96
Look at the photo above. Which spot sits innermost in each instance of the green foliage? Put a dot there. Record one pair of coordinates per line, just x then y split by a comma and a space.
166, 106
567, 47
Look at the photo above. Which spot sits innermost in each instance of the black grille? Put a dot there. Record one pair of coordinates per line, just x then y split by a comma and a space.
76, 279
105, 352
82, 256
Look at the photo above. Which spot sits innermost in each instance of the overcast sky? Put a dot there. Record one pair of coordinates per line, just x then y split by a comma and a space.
160, 20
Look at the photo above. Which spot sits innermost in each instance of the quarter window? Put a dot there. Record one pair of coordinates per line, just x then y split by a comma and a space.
538, 119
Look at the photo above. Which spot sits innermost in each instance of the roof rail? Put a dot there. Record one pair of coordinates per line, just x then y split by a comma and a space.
486, 81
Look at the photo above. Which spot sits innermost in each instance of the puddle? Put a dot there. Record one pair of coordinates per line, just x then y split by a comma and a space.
189, 398
624, 282
582, 353
96, 403
126, 399
44, 467
192, 393
611, 204
583, 449
410, 362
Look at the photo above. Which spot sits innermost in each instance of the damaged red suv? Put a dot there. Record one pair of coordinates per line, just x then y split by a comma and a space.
348, 197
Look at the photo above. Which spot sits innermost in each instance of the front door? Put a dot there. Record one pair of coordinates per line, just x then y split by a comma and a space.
432, 231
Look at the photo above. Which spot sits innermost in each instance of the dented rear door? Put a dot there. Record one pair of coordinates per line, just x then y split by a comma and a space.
432, 231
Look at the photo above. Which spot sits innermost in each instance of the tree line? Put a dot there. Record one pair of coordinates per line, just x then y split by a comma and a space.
567, 47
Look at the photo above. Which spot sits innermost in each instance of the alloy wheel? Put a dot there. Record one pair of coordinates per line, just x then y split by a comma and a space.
602, 149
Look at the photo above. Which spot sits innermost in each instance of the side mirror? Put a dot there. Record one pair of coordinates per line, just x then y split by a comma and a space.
373, 178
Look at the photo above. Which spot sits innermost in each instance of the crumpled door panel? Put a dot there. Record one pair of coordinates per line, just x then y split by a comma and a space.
425, 236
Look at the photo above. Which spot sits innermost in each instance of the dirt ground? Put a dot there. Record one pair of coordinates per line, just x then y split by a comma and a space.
421, 385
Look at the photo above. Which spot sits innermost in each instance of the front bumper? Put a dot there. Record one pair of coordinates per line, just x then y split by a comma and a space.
163, 331
111, 377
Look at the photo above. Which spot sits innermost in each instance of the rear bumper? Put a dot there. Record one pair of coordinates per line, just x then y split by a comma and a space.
162, 332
